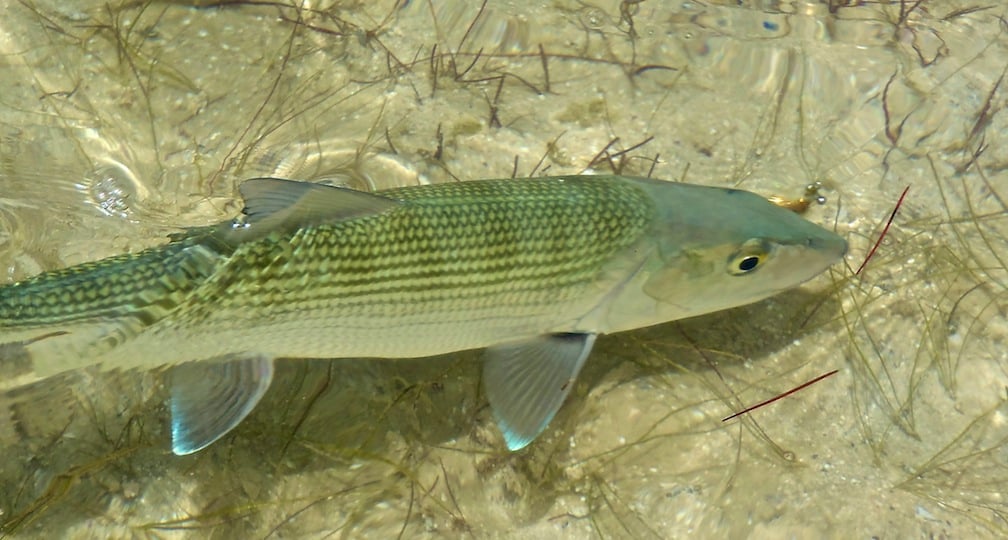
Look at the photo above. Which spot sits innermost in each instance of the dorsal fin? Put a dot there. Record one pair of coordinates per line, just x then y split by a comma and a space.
274, 203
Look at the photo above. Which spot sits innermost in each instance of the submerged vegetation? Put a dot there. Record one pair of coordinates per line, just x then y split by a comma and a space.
148, 113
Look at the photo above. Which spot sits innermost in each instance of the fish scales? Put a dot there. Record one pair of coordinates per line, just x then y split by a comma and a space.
508, 253
451, 245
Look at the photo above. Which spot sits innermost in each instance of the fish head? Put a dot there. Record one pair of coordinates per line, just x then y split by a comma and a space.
721, 248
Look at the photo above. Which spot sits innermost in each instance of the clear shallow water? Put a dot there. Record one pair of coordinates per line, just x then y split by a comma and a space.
122, 124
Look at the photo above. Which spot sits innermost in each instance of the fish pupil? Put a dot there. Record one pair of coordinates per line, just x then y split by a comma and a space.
748, 263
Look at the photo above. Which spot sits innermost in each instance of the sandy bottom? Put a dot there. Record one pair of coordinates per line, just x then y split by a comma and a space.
122, 123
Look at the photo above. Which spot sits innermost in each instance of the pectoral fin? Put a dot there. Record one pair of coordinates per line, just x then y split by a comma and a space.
527, 382
209, 398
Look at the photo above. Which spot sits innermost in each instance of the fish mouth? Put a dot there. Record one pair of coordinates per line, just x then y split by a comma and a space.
831, 244
829, 251
814, 255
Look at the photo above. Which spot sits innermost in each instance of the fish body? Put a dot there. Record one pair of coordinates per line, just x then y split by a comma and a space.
530, 269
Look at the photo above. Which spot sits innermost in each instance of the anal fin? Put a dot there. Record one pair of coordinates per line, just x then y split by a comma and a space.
527, 382
209, 398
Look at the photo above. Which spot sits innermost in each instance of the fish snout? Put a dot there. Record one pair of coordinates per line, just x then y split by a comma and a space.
830, 244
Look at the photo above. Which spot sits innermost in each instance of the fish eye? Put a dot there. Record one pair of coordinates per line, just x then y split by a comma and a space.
748, 259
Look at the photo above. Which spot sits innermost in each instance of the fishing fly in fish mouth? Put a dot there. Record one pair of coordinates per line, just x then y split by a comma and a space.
532, 270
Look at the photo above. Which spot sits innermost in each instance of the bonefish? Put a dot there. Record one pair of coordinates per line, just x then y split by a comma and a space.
531, 270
